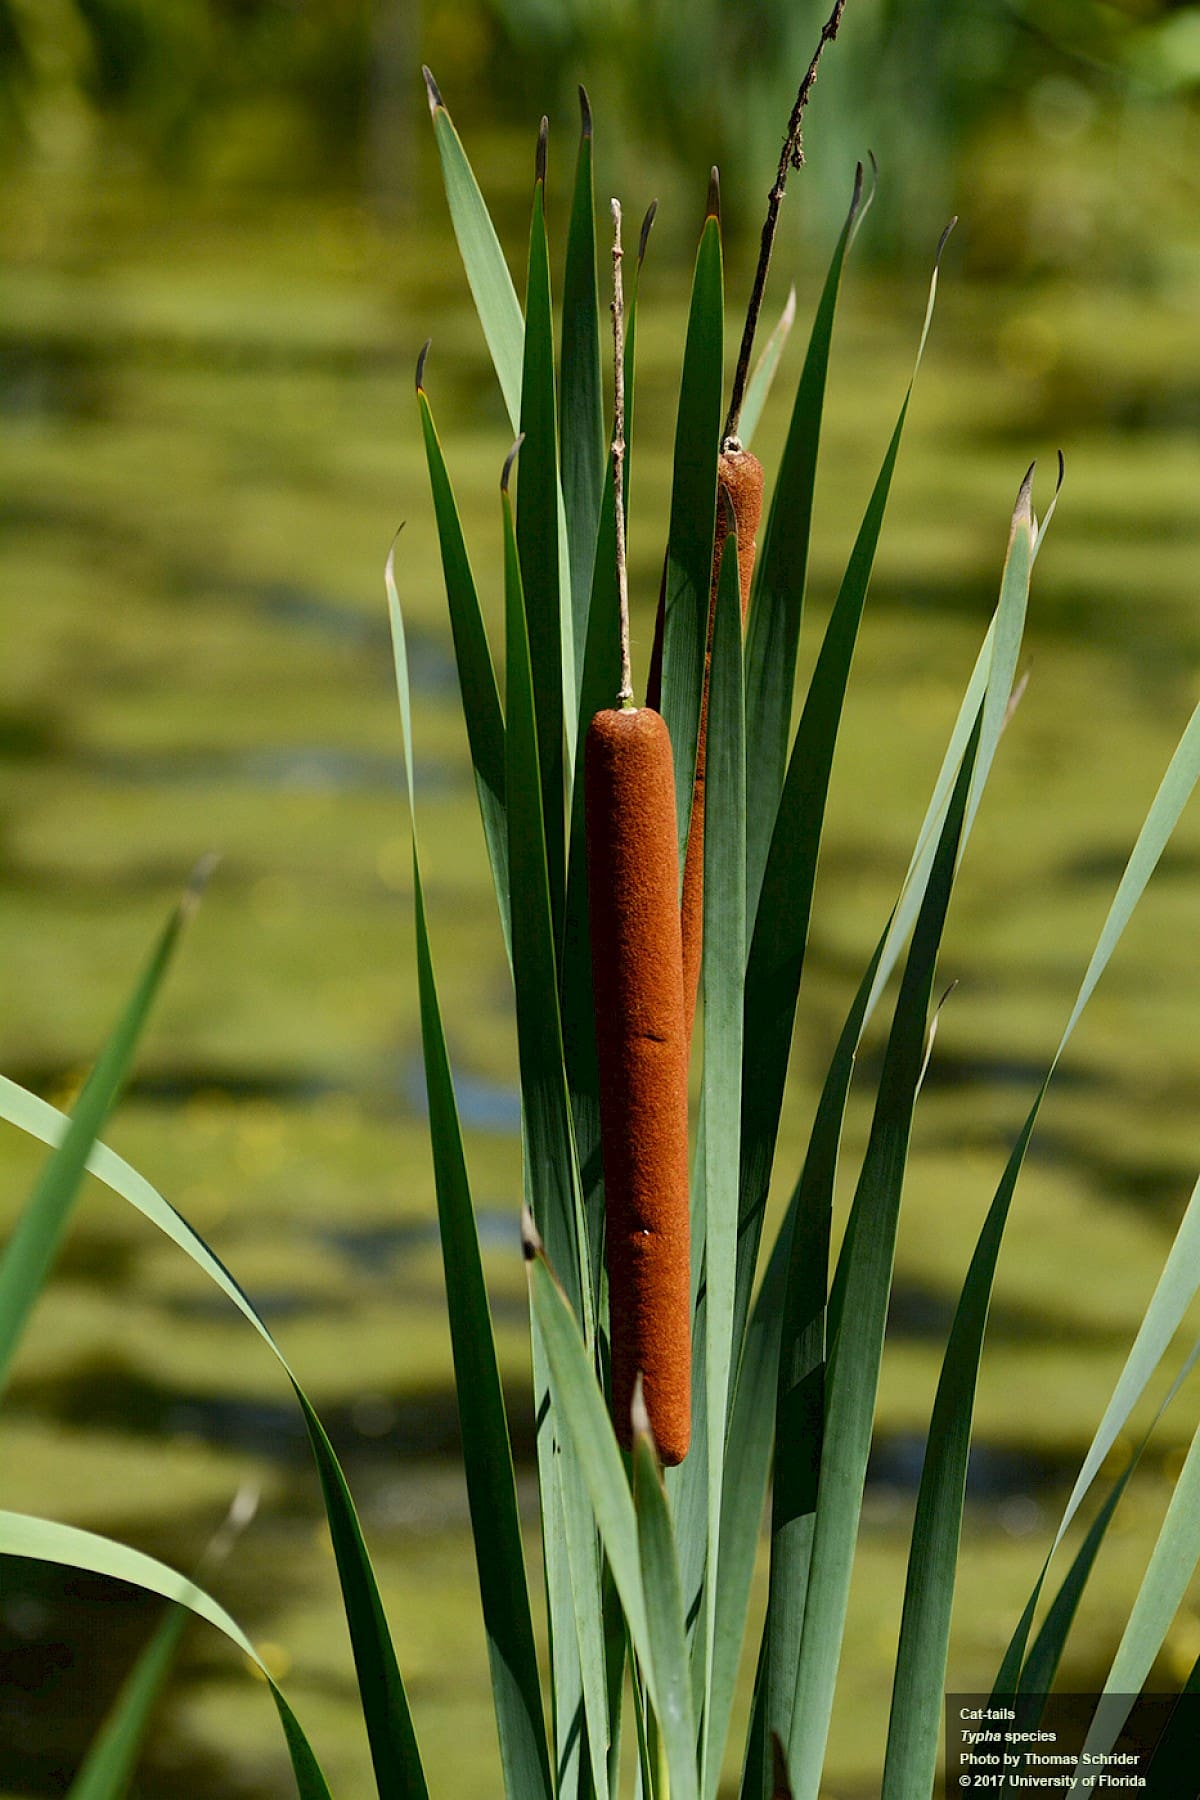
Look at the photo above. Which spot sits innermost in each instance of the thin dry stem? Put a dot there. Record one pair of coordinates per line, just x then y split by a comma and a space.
790, 157
625, 695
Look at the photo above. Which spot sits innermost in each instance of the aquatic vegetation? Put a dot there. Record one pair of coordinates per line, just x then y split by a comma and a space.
771, 1402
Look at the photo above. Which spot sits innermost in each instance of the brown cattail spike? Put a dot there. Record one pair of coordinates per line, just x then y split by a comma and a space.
740, 490
642, 1051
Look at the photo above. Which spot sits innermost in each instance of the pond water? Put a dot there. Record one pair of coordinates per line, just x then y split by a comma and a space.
209, 441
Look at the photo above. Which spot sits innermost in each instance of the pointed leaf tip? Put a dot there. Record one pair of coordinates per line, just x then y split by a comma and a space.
509, 460
432, 92
942, 241
1023, 510
644, 239
585, 112
421, 364
712, 206
531, 1243
540, 161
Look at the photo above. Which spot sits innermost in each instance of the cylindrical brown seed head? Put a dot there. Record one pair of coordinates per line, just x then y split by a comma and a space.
642, 1050
740, 476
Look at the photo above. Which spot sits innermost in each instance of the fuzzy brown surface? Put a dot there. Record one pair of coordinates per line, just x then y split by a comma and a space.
740, 475
642, 1049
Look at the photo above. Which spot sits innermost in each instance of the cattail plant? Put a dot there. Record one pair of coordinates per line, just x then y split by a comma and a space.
641, 1037
651, 1333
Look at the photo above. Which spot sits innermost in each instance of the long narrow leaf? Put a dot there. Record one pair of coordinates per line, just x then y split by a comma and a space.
762, 380
1164, 1585
852, 1374
45, 1541
112, 1758
665, 1631
723, 970
388, 1721
780, 927
476, 674
781, 571
552, 1188
1041, 1665
487, 272
487, 1449
557, 1203
31, 1249
688, 579
925, 1624
546, 598
589, 1427
581, 406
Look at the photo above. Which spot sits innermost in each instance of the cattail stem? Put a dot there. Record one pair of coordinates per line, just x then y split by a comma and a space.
790, 157
625, 695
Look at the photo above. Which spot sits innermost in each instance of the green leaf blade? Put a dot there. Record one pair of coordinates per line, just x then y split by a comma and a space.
33, 1244
688, 581
473, 658
665, 1630
852, 1373
487, 273
538, 501
45, 1541
581, 403
773, 628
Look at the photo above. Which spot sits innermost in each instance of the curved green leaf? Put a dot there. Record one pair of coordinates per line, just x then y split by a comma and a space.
112, 1758
491, 284
852, 1371
780, 924
45, 1541
487, 1448
476, 674
385, 1705
925, 1623
33, 1244
773, 628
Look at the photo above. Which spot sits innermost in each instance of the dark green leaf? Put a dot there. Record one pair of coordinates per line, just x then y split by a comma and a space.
537, 544
476, 675
549, 1142
688, 583
581, 405
780, 929
33, 1244
773, 628
852, 1371
925, 1624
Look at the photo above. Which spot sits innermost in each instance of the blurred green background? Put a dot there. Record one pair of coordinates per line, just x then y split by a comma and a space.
223, 245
